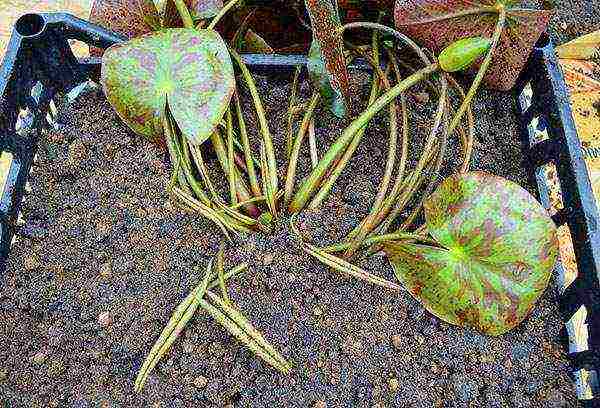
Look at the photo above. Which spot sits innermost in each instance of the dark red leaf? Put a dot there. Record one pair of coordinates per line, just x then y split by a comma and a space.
199, 9
523, 28
131, 18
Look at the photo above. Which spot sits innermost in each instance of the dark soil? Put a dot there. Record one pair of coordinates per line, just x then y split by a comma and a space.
574, 18
104, 257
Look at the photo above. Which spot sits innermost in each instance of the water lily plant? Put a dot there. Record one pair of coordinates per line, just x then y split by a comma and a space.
487, 248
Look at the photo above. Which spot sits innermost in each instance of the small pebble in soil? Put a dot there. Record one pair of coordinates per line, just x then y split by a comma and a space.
393, 384
200, 382
397, 342
32, 262
268, 259
104, 319
318, 311
421, 97
39, 357
106, 270
77, 152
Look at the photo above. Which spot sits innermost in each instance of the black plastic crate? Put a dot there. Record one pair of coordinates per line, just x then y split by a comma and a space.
39, 64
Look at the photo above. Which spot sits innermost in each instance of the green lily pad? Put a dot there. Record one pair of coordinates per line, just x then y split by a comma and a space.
497, 249
188, 69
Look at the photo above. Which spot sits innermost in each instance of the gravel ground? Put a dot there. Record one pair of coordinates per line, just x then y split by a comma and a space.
104, 257
574, 18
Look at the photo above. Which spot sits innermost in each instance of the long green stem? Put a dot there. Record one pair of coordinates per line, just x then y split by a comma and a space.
195, 205
295, 153
250, 170
353, 145
482, 70
233, 328
201, 166
231, 173
221, 14
184, 13
221, 273
398, 182
242, 190
174, 328
250, 331
433, 177
191, 301
377, 239
462, 13
312, 143
343, 266
183, 149
389, 168
174, 153
271, 170
388, 30
238, 217
412, 185
271, 195
309, 185
291, 114
468, 139
428, 151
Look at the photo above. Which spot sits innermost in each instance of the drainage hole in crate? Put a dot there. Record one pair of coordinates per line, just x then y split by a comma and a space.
30, 24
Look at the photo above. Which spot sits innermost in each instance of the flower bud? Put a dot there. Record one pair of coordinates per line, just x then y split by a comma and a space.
462, 53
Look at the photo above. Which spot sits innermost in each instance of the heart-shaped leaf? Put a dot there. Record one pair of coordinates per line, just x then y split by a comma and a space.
188, 69
132, 18
199, 10
497, 249
438, 23
331, 73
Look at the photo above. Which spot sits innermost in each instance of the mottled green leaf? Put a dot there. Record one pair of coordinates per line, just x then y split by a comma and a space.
199, 9
188, 69
327, 63
497, 249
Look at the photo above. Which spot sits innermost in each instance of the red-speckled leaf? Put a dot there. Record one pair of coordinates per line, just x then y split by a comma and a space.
132, 18
199, 9
523, 28
186, 68
325, 23
497, 249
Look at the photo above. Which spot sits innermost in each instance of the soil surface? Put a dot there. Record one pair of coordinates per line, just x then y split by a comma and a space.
105, 256
574, 18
